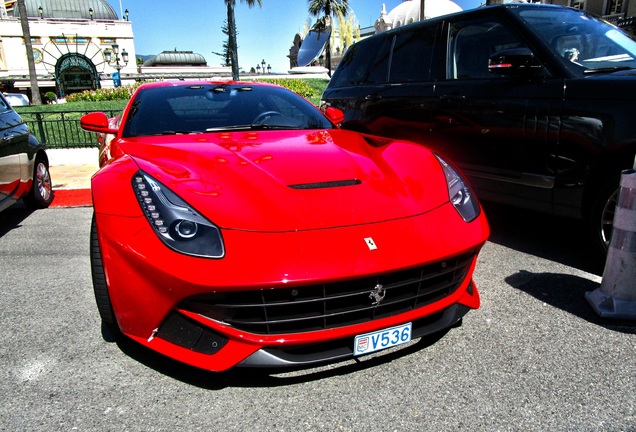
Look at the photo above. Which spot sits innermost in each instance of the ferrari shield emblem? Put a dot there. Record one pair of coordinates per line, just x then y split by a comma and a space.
370, 243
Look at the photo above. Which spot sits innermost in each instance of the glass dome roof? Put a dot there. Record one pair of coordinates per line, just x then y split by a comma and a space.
177, 58
70, 9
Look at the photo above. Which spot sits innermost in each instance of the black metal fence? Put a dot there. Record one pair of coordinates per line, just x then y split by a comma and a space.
61, 129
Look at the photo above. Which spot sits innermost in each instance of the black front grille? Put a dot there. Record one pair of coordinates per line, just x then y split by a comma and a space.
334, 304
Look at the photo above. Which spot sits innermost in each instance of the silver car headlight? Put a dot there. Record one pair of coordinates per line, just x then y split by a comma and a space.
461, 195
175, 222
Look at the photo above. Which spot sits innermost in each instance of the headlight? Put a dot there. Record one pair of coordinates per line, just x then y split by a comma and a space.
461, 196
176, 223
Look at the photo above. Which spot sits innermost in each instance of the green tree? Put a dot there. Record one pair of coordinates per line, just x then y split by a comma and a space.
349, 32
326, 10
227, 60
231, 25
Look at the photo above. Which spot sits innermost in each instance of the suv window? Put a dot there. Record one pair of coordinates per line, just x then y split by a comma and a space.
582, 41
412, 55
365, 62
472, 42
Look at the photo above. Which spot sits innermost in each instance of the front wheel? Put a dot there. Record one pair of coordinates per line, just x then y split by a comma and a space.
601, 216
100, 286
41, 193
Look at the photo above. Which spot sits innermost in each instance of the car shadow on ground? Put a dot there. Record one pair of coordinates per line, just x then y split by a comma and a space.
12, 217
559, 240
553, 238
567, 292
264, 377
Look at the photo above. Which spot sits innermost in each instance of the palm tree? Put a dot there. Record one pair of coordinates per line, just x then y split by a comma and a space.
231, 25
328, 9
24, 21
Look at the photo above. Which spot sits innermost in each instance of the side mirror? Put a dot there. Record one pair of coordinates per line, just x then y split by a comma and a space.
97, 122
514, 62
335, 115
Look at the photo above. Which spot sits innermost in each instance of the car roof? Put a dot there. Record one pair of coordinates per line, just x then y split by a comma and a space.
199, 82
19, 96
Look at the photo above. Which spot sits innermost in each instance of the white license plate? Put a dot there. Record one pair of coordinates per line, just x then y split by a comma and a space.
382, 339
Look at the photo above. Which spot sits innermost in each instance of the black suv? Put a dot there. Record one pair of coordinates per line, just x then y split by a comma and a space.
24, 165
535, 103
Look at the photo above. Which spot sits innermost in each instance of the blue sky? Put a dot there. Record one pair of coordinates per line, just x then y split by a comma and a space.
263, 33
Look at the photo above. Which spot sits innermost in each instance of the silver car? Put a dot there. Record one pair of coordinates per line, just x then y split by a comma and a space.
24, 165
17, 99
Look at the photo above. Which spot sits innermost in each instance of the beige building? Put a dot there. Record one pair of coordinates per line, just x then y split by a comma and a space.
408, 12
82, 45
621, 12
72, 41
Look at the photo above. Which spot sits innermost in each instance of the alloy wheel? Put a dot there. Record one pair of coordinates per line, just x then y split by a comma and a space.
607, 218
43, 181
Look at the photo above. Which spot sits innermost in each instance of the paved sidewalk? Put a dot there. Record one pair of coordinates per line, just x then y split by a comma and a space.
72, 168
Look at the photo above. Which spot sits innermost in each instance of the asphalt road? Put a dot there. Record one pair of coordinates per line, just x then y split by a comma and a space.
534, 357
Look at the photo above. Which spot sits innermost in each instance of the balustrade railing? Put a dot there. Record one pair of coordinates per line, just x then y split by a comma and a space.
61, 129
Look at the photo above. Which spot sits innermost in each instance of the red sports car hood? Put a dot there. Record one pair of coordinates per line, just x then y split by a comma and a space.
293, 180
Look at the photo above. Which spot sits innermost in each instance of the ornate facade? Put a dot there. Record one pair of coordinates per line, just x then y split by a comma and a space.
81, 45
71, 41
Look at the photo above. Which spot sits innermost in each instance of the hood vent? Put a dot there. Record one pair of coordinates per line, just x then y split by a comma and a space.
323, 185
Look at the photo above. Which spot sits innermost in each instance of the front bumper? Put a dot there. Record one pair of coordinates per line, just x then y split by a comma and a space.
148, 284
342, 349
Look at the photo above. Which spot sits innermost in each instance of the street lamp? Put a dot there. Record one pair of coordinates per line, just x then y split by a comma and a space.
40, 11
258, 68
90, 12
114, 62
263, 65
269, 69
126, 13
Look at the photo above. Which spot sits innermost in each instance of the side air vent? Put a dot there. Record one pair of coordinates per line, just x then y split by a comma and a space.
323, 185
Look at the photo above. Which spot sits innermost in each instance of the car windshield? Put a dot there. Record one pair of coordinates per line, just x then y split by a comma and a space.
590, 44
17, 99
209, 107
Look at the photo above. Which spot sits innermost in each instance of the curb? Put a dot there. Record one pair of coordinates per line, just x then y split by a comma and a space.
72, 198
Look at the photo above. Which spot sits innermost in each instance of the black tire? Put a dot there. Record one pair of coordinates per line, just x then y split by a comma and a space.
100, 287
601, 216
41, 194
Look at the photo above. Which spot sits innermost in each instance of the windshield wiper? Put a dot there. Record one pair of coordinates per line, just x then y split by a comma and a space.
226, 128
173, 132
607, 69
250, 127
277, 127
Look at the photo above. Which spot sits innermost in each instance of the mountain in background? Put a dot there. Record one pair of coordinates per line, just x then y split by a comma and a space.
144, 58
